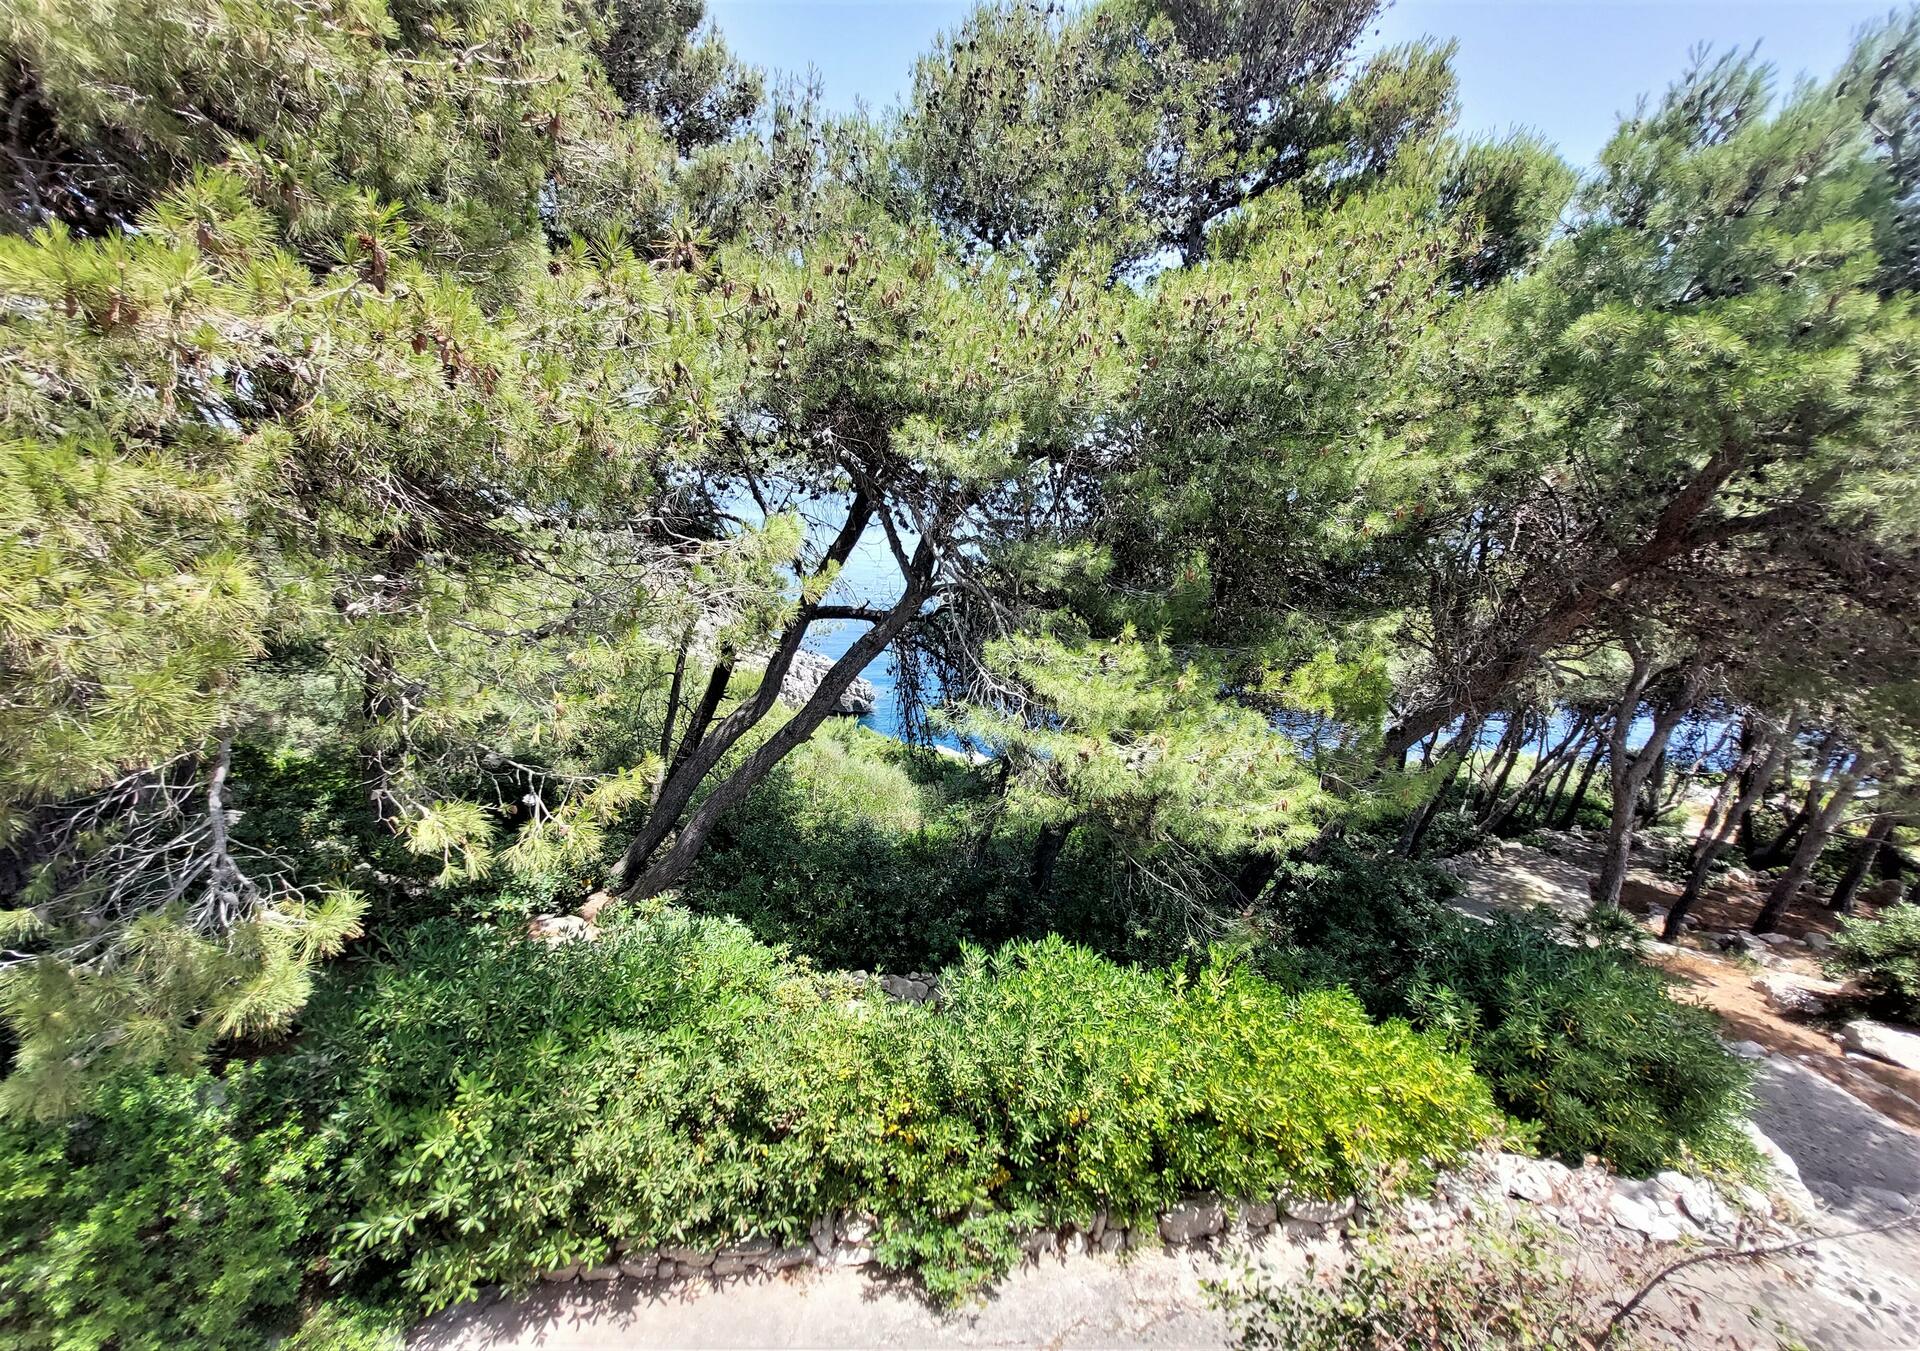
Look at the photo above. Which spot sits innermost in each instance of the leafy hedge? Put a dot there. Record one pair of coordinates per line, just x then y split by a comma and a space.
174, 1215
1882, 952
496, 1109
1586, 1043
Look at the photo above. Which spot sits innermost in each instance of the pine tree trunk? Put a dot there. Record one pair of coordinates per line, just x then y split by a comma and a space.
1629, 773
1457, 750
1812, 843
1862, 863
1708, 848
1543, 771
1046, 853
1574, 803
730, 792
1504, 754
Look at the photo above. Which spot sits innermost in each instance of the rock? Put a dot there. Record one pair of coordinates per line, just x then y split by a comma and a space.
1882, 1042
1322, 1213
1749, 1050
561, 1275
1073, 1243
821, 1232
551, 929
1042, 1241
752, 1251
609, 1271
697, 1259
640, 1268
1196, 1218
1419, 1217
1113, 1241
1781, 1160
1536, 1180
1259, 1214
1818, 941
1790, 995
1643, 1215
803, 677
853, 1254
723, 1265
855, 1228
1655, 916
781, 1259
1774, 940
1697, 1199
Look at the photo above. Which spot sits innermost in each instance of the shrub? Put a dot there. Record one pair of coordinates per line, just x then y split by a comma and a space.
502, 1108
1584, 1042
1883, 954
173, 1216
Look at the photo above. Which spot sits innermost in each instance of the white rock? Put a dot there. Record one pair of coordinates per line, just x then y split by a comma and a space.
1073, 1244
1882, 1042
821, 1232
1749, 1050
1113, 1241
1643, 1216
1259, 1214
1793, 995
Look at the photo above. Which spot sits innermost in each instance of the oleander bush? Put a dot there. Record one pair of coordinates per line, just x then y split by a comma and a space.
1882, 952
1586, 1043
496, 1108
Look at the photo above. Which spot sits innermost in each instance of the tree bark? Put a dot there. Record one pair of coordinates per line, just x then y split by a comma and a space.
1818, 773
1862, 863
1574, 803
1629, 773
1456, 754
1046, 853
1812, 843
707, 742
1504, 754
1777, 747
673, 865
1543, 771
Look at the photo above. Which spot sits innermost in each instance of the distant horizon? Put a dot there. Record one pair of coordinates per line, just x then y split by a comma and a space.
1510, 61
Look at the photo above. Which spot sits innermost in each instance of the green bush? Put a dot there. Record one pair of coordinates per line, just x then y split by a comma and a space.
1586, 1043
174, 1215
1883, 953
501, 1108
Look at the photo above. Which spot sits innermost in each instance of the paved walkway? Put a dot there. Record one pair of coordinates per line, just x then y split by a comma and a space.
1148, 1299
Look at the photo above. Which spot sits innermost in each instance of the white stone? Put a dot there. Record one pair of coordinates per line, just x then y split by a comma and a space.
1792, 995
1882, 1042
821, 1232
1113, 1241
1259, 1214
1749, 1050
1643, 1216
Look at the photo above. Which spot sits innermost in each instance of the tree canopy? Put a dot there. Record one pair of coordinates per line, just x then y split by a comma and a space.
485, 399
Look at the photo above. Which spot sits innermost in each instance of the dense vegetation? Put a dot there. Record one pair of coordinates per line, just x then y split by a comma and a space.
430, 433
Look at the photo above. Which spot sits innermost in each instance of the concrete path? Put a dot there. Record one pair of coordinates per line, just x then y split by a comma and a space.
1147, 1299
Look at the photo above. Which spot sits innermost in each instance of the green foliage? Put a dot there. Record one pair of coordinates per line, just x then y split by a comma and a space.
1882, 952
1586, 1043
1485, 1288
175, 1213
495, 1109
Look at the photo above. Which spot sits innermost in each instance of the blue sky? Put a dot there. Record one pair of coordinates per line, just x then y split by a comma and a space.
1567, 68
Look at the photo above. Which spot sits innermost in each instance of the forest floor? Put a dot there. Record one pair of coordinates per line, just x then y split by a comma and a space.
1850, 1124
